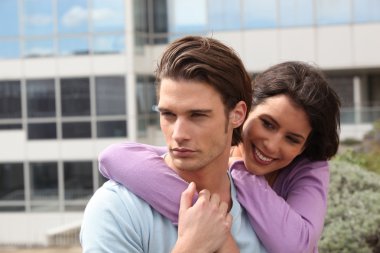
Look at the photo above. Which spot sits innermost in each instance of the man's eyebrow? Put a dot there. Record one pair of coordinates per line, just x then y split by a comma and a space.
163, 109
201, 111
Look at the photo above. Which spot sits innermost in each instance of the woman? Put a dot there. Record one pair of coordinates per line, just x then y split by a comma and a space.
280, 170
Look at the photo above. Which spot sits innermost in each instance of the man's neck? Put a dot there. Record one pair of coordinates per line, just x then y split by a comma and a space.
214, 178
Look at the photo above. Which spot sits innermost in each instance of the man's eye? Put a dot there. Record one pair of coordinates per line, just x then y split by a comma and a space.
195, 115
267, 124
166, 114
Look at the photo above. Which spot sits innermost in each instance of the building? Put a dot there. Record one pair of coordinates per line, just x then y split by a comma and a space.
76, 76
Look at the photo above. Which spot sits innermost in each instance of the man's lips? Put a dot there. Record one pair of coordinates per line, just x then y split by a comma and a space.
182, 152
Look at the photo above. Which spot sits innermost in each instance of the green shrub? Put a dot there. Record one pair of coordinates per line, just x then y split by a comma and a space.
365, 153
353, 218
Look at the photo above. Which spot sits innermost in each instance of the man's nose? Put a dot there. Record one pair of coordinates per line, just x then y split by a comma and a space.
181, 130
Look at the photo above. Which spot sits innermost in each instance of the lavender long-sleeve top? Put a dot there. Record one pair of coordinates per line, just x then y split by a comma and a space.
287, 218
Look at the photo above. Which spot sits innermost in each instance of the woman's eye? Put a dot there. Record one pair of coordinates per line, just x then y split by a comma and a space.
293, 140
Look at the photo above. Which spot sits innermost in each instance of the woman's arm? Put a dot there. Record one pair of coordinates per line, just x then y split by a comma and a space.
290, 217
143, 171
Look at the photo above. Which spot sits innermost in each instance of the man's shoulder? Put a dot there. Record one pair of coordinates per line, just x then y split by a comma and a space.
114, 195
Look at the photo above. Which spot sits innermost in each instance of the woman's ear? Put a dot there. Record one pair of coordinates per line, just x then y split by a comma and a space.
237, 115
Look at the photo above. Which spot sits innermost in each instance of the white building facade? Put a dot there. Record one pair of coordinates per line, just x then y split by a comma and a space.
77, 75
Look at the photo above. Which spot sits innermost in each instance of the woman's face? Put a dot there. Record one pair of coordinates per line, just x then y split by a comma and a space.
273, 135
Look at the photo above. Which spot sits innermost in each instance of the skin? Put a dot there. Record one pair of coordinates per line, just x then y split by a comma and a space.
273, 135
191, 114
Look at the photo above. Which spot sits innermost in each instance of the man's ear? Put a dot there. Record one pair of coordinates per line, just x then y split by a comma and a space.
237, 115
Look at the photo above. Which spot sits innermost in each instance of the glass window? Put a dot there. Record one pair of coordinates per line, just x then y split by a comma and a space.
38, 17
44, 181
366, 10
102, 179
42, 131
112, 128
10, 126
12, 181
223, 14
188, 16
41, 98
73, 16
110, 95
108, 15
259, 14
146, 103
160, 16
38, 48
10, 99
333, 12
75, 96
73, 46
78, 180
9, 25
73, 130
343, 85
108, 44
140, 15
146, 95
296, 13
9, 49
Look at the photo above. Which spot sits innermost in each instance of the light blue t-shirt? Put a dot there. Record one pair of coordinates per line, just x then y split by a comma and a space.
116, 220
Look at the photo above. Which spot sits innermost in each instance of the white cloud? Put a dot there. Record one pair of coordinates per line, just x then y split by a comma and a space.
75, 16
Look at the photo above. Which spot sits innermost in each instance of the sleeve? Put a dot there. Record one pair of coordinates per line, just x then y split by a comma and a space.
141, 169
291, 223
107, 226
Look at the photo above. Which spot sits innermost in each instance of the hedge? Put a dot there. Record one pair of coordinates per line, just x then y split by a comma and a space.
352, 223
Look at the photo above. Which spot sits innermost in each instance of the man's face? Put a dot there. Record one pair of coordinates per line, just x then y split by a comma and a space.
195, 125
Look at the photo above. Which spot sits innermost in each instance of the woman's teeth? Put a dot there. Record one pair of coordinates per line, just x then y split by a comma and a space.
262, 157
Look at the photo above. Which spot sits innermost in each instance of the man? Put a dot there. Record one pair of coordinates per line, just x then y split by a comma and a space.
204, 94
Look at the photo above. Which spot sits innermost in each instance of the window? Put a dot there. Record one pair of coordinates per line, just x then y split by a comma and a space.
366, 10
73, 130
108, 16
10, 126
110, 95
160, 16
9, 49
146, 102
259, 14
343, 86
41, 98
44, 181
73, 16
42, 131
223, 15
112, 128
108, 44
75, 97
73, 45
296, 13
184, 18
78, 180
10, 100
333, 12
38, 17
9, 25
38, 48
12, 181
